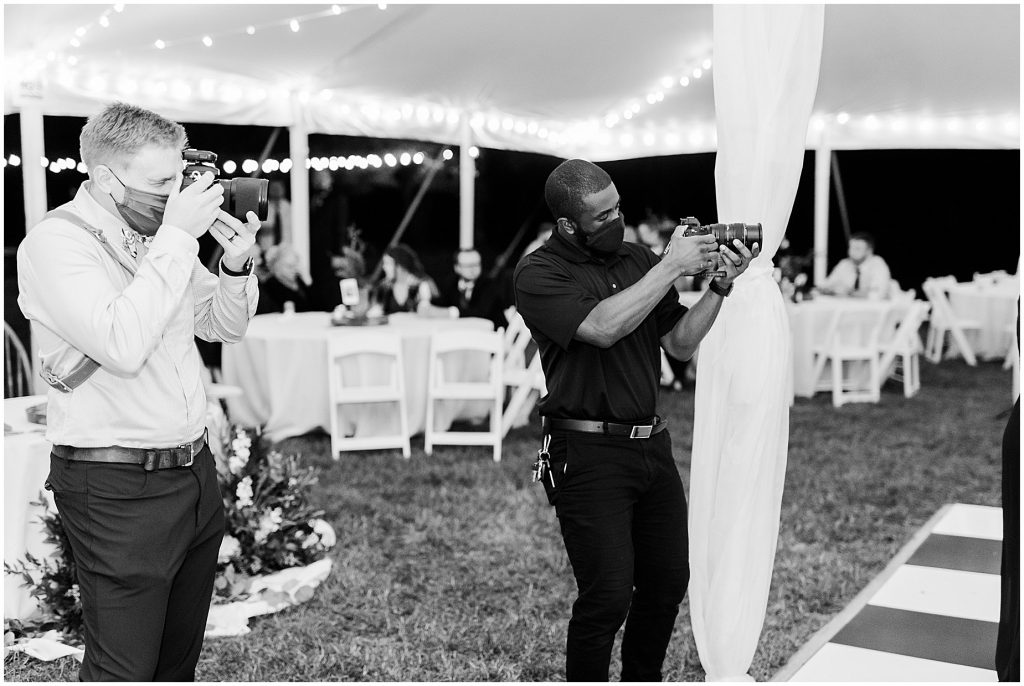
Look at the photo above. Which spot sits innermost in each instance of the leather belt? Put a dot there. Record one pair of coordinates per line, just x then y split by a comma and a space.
150, 458
608, 428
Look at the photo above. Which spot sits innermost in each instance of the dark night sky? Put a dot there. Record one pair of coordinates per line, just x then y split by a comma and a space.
933, 212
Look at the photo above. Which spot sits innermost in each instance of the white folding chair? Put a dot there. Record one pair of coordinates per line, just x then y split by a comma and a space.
901, 347
841, 347
523, 383
365, 383
441, 388
17, 367
944, 320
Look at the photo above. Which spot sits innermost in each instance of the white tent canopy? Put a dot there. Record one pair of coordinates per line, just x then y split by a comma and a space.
556, 79
602, 82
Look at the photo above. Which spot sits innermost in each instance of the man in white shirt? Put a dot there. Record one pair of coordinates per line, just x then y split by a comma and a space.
862, 274
112, 278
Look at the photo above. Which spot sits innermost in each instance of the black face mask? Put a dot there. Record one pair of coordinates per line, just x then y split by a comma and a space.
607, 239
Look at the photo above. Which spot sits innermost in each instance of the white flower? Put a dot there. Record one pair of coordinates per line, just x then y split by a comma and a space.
325, 531
229, 547
237, 461
243, 492
269, 523
310, 541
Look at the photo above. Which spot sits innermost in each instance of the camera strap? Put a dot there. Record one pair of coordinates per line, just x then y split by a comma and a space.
87, 366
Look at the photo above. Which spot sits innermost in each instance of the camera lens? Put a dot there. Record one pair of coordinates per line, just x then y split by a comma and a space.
244, 195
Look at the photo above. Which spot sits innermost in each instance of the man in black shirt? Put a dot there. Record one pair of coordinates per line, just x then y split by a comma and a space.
599, 309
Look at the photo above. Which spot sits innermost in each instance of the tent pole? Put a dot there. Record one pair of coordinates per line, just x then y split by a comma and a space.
822, 167
467, 179
298, 141
32, 172
840, 196
34, 176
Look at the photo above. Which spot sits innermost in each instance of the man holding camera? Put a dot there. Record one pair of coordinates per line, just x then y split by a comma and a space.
599, 309
114, 287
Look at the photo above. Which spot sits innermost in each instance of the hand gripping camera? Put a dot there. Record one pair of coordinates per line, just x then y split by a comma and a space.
240, 195
724, 234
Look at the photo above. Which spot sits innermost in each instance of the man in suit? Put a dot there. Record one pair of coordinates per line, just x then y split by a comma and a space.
469, 291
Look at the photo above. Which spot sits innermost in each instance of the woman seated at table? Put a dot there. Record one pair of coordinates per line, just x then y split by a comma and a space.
405, 282
283, 282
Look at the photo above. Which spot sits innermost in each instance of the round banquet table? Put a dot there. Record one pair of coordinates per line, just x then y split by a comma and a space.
994, 305
281, 365
809, 322
26, 466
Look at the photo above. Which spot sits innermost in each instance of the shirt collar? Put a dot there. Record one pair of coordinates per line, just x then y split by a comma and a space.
114, 228
573, 252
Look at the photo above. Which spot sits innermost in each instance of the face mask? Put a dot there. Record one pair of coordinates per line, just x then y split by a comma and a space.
142, 211
606, 239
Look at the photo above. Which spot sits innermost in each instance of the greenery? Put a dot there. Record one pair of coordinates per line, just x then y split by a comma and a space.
451, 567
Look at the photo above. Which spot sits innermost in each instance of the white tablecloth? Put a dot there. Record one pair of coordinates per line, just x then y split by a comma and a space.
809, 321
281, 365
995, 307
26, 466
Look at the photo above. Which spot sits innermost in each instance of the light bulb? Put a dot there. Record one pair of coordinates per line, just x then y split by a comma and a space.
160, 45
82, 168
697, 73
405, 159
250, 30
684, 81
207, 41
390, 159
842, 117
14, 160
474, 152
286, 166
104, 21
229, 167
418, 158
447, 154
336, 9
294, 25
706, 64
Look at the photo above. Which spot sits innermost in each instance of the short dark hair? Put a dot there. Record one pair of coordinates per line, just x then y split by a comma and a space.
569, 183
406, 258
864, 236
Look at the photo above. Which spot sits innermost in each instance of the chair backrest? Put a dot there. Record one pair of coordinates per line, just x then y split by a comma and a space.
865, 320
902, 329
363, 343
444, 342
17, 367
942, 310
517, 338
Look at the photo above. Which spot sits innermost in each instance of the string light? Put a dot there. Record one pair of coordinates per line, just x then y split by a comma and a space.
229, 166
207, 41
474, 152
294, 25
14, 160
159, 44
251, 30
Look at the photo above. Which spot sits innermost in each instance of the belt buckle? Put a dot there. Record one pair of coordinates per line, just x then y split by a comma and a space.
191, 453
641, 431
54, 381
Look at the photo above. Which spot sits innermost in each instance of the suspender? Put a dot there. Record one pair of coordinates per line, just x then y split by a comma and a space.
78, 374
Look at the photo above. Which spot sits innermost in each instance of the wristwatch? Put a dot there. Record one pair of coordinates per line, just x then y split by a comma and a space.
716, 287
246, 269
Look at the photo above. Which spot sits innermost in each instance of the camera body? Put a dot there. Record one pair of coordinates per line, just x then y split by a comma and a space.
240, 195
724, 234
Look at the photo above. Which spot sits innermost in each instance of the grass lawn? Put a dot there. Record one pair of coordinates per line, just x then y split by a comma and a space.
452, 568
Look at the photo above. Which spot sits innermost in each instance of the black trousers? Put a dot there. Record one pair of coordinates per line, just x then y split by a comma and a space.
146, 546
1008, 641
622, 511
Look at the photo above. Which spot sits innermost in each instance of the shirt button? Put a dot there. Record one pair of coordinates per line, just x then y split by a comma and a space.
614, 286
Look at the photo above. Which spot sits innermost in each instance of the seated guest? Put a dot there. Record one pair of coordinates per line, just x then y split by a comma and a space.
282, 283
405, 282
470, 292
862, 274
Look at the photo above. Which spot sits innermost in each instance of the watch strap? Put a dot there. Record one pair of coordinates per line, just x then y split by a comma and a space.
718, 288
246, 268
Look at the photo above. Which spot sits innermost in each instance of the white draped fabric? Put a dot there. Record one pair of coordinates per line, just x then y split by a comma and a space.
765, 78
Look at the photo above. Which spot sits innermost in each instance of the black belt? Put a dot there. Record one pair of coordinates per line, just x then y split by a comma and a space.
608, 428
150, 458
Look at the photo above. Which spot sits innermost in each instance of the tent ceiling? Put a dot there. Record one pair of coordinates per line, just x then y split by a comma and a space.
527, 77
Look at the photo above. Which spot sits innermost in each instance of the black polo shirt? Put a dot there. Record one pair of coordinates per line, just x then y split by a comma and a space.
556, 287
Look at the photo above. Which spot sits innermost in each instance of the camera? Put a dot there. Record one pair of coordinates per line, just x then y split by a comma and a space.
724, 234
240, 195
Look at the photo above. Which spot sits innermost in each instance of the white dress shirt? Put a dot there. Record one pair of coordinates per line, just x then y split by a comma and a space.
875, 279
148, 392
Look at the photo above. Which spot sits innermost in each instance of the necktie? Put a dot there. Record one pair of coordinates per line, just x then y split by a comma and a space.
856, 281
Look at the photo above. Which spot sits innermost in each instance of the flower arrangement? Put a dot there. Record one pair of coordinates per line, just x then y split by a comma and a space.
270, 524
54, 583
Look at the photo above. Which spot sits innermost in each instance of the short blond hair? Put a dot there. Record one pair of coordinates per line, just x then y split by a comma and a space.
120, 130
